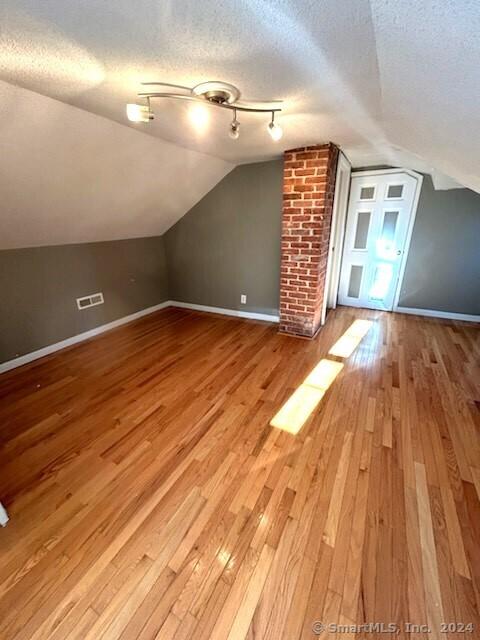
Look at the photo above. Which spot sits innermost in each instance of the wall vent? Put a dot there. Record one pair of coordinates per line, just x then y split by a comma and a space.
90, 301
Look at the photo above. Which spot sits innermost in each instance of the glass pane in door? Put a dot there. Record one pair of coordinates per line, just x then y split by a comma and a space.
361, 232
395, 191
355, 281
381, 281
367, 193
386, 248
389, 225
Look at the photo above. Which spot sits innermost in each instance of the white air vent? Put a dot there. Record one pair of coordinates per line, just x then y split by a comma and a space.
90, 301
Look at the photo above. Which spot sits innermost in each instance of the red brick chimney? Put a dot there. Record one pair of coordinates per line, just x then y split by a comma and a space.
308, 190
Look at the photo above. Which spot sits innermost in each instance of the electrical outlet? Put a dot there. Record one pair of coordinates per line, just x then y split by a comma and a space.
243, 299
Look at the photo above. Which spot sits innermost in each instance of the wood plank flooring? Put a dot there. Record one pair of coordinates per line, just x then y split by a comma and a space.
149, 496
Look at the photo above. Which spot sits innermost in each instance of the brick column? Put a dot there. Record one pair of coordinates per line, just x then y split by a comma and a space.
308, 190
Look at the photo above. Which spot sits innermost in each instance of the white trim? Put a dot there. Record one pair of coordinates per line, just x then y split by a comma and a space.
45, 351
433, 313
406, 247
3, 515
337, 233
383, 172
226, 312
86, 335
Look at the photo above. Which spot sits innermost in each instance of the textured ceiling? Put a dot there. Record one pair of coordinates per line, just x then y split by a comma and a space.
391, 81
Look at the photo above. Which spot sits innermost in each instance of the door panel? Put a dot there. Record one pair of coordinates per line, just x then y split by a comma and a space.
378, 218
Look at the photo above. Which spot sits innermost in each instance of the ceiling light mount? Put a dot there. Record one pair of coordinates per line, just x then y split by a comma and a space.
218, 94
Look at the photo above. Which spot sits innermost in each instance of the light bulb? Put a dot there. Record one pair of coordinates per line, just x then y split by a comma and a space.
234, 131
275, 131
139, 113
199, 117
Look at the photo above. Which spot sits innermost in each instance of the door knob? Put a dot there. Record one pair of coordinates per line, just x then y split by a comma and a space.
399, 253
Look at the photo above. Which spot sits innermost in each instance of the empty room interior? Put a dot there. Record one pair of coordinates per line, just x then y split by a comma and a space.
239, 319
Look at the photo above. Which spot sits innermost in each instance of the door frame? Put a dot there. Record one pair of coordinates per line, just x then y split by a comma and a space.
337, 233
341, 230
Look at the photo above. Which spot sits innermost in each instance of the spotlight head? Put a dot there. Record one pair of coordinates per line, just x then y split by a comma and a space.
139, 113
234, 131
275, 131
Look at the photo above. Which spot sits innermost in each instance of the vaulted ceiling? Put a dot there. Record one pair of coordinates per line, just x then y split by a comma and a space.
70, 176
391, 81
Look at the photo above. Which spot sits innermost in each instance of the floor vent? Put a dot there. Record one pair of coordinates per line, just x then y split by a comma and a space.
90, 301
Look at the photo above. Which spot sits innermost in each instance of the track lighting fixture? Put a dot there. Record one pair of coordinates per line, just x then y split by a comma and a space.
274, 129
234, 132
218, 94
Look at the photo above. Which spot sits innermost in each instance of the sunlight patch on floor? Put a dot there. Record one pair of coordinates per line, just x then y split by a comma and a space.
303, 401
324, 374
346, 344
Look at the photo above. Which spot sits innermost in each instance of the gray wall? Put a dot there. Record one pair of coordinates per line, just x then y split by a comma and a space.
229, 243
39, 287
226, 245
443, 267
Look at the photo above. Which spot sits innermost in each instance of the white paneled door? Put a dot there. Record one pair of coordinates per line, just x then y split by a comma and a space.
378, 218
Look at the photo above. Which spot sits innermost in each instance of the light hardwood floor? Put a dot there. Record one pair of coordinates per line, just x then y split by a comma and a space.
150, 498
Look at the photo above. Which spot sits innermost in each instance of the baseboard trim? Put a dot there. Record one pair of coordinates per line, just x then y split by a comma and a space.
433, 313
80, 337
250, 315
86, 335
226, 312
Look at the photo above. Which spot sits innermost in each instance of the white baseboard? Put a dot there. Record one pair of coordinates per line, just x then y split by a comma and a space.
226, 312
433, 313
40, 353
51, 348
45, 351
3, 515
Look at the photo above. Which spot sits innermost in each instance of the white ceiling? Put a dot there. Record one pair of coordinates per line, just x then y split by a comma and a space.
391, 81
70, 176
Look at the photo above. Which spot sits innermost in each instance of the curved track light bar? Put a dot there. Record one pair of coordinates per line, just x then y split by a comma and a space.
165, 84
218, 94
223, 105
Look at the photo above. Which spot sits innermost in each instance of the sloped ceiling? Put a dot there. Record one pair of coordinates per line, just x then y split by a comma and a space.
70, 176
391, 81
